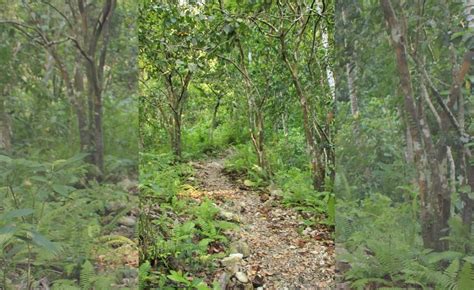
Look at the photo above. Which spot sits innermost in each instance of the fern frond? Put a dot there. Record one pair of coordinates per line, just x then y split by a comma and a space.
466, 277
87, 275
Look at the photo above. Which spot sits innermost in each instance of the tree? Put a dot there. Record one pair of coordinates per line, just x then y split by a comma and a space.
83, 29
430, 153
292, 33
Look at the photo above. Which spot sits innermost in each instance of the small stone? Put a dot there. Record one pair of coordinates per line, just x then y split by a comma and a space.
240, 247
232, 261
224, 279
229, 216
242, 277
126, 184
128, 221
115, 206
276, 192
307, 231
249, 183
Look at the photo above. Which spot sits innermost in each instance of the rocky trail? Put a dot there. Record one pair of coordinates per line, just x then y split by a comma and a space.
272, 249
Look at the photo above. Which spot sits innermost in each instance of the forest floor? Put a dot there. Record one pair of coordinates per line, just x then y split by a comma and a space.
278, 250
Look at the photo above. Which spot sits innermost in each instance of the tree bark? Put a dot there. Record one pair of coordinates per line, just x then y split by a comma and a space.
5, 128
430, 161
318, 167
255, 113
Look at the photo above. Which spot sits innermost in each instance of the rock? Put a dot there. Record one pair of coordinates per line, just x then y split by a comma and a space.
249, 183
276, 192
232, 262
224, 280
269, 204
128, 221
307, 231
115, 206
126, 184
229, 216
242, 277
258, 281
264, 197
240, 247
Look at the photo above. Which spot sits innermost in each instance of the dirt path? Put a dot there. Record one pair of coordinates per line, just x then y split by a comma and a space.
279, 257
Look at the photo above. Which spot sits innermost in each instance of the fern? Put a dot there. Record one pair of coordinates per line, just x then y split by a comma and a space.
87, 275
466, 277
143, 273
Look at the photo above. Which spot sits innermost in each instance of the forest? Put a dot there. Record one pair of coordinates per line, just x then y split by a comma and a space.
68, 145
236, 130
404, 191
225, 144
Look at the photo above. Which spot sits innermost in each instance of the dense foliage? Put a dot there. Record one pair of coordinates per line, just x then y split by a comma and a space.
384, 210
65, 195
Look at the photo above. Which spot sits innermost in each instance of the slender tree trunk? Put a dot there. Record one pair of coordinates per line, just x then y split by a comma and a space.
98, 133
176, 138
5, 128
214, 116
432, 166
255, 115
318, 167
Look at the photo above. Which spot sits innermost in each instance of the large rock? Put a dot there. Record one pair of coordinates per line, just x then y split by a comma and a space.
232, 262
240, 247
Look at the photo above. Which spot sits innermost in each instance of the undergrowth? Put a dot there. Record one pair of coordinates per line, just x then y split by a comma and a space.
382, 247
54, 226
291, 181
180, 237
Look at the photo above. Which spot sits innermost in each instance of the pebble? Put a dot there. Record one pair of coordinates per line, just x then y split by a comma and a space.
232, 260
242, 277
128, 221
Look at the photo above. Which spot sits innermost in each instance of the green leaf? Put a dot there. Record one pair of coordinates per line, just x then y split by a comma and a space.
178, 277
63, 189
16, 213
61, 163
6, 233
39, 178
4, 158
43, 242
188, 227
204, 243
469, 259
435, 257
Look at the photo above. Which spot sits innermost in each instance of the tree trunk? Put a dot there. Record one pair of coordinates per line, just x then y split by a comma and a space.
468, 167
176, 138
214, 115
255, 115
432, 166
98, 134
317, 166
5, 128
